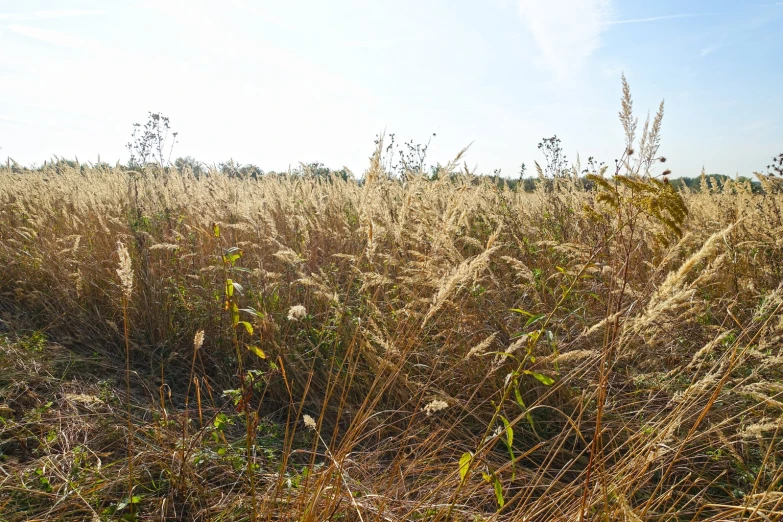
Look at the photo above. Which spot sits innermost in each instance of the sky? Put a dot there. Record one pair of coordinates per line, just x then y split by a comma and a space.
284, 82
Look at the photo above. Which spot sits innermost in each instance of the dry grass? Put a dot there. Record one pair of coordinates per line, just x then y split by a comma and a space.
663, 340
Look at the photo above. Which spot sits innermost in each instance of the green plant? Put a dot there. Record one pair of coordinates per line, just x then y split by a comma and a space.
233, 290
35, 342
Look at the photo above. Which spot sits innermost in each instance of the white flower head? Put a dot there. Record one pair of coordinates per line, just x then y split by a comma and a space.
309, 422
296, 312
198, 340
435, 406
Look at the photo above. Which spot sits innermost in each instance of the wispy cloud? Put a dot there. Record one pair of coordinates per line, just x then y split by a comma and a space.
260, 12
652, 19
755, 126
566, 32
708, 50
11, 119
49, 14
379, 44
614, 71
54, 37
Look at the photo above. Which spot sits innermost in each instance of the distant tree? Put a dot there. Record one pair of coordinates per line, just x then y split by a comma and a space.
529, 184
318, 170
233, 169
189, 162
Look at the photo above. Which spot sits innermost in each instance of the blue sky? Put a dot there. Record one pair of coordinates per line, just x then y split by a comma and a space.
276, 83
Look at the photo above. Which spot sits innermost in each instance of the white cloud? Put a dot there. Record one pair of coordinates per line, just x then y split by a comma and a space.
49, 14
566, 32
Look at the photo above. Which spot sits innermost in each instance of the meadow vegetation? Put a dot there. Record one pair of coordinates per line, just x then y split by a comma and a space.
180, 345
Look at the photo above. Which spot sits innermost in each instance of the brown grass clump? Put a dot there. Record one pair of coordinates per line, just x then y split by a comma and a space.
430, 350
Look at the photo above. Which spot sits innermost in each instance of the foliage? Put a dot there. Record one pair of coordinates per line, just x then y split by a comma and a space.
190, 163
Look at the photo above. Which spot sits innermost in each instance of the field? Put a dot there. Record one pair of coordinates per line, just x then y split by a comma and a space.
300, 347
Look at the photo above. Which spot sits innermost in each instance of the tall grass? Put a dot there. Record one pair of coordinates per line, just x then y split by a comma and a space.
611, 354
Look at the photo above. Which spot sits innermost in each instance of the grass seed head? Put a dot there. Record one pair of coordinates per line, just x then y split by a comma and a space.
198, 340
297, 312
125, 271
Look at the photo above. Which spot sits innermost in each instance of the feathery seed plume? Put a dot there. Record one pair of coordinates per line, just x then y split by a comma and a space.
435, 406
296, 312
125, 271
198, 340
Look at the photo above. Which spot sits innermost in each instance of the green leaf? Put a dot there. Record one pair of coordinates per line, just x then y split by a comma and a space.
498, 487
509, 445
216, 230
231, 255
534, 319
519, 396
229, 287
125, 503
509, 431
221, 421
522, 405
543, 379
252, 311
258, 351
248, 326
464, 465
237, 287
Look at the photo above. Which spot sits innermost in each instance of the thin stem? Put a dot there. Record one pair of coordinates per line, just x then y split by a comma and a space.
128, 403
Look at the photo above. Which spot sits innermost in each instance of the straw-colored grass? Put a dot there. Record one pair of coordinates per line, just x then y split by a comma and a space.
629, 337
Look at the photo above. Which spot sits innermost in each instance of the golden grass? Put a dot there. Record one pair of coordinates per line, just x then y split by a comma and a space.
386, 314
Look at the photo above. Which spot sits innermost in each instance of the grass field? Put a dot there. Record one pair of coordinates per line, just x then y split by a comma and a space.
304, 348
